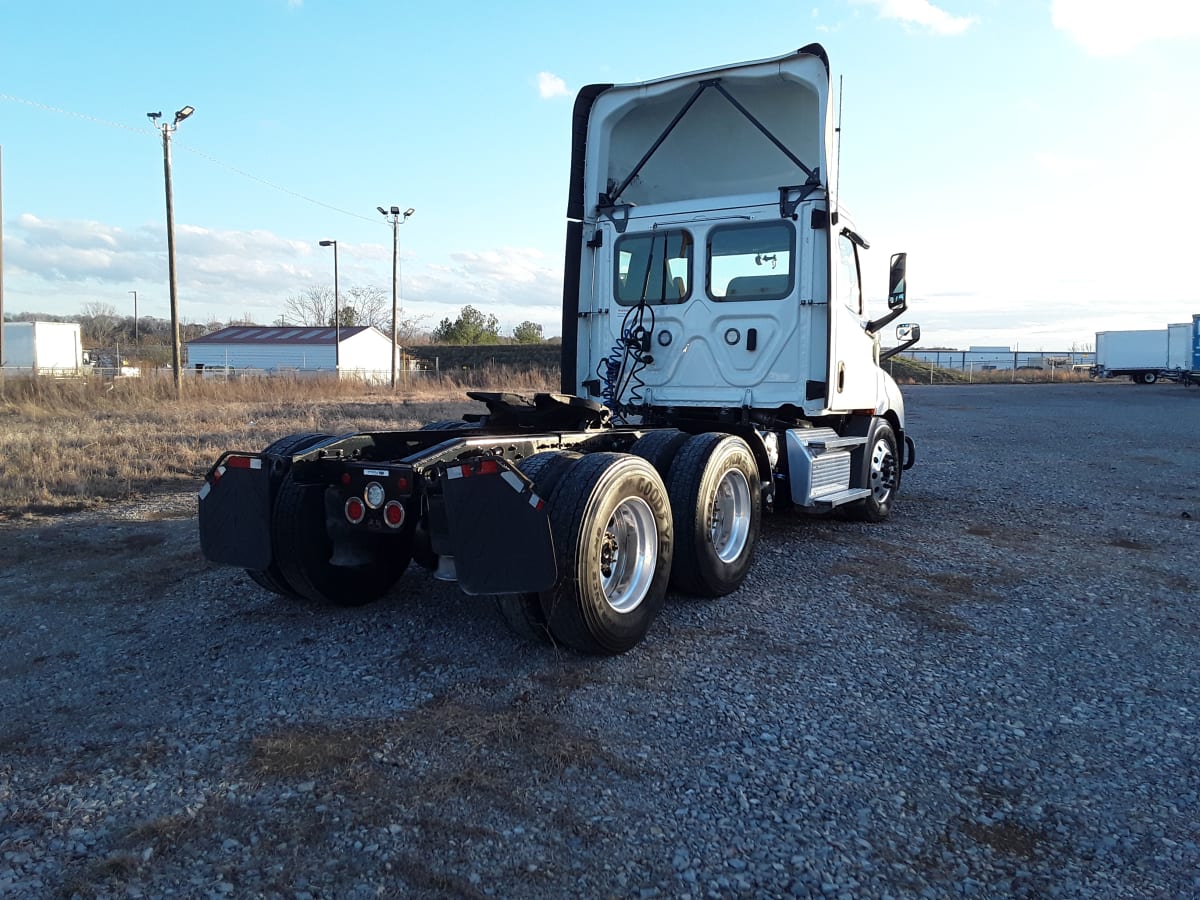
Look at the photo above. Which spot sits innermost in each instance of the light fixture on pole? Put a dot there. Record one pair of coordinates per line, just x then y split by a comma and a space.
337, 314
396, 221
168, 128
136, 339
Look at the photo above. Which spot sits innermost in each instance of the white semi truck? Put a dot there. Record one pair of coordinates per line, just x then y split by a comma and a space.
1149, 356
720, 359
43, 348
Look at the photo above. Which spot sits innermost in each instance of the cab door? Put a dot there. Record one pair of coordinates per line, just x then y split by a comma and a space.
853, 372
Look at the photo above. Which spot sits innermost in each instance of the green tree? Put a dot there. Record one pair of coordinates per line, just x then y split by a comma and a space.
471, 327
528, 333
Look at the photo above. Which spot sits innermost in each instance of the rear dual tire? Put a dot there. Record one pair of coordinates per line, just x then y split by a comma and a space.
611, 518
271, 578
522, 613
716, 500
303, 550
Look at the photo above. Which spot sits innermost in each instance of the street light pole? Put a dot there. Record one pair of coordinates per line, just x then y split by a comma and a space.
337, 315
136, 339
167, 130
396, 221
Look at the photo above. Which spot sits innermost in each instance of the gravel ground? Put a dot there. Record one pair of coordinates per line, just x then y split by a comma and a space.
993, 694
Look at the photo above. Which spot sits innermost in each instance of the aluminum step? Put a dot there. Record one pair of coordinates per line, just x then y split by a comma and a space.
833, 443
847, 496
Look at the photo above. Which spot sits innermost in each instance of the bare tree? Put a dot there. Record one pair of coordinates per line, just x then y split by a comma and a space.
372, 306
99, 322
312, 307
412, 329
357, 305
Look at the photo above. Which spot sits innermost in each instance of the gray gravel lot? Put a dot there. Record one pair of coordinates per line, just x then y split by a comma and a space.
993, 694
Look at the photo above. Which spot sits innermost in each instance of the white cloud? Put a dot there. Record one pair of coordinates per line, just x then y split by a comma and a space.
923, 14
56, 266
1115, 27
550, 85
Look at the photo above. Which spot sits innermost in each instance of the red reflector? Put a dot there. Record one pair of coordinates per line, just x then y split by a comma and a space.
355, 510
393, 514
489, 467
345, 478
237, 462
402, 483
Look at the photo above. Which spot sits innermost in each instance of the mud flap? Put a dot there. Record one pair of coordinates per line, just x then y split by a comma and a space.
499, 529
235, 512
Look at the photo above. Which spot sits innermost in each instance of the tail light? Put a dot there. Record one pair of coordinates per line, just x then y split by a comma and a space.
393, 514
355, 510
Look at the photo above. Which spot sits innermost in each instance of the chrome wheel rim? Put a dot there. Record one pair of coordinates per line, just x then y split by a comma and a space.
628, 554
729, 525
883, 471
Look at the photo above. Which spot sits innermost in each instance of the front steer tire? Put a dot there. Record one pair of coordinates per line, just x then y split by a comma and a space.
878, 467
613, 539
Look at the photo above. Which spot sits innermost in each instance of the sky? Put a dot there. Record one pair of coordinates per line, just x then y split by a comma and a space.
1036, 159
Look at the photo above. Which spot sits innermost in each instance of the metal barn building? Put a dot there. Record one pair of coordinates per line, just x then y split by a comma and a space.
363, 352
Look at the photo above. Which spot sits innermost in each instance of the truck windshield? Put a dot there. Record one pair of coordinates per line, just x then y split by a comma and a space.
751, 262
655, 267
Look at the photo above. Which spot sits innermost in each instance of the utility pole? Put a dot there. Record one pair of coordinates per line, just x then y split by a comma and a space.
396, 221
136, 339
1, 270
337, 313
167, 131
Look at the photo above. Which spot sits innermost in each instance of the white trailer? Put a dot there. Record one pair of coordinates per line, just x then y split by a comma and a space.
1179, 347
43, 348
1146, 356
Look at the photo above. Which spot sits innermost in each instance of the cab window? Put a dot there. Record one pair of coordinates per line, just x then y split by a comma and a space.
751, 262
848, 289
655, 267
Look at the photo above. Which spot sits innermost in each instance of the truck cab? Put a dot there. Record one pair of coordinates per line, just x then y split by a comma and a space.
709, 263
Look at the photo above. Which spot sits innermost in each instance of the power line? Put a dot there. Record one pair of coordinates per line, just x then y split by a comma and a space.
212, 159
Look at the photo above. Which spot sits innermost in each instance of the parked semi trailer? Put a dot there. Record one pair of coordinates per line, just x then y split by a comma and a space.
719, 361
1149, 356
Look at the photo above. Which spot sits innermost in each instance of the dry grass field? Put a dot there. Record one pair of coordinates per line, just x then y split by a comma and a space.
71, 445
68, 446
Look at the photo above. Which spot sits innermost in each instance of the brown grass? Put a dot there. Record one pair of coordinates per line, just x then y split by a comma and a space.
68, 445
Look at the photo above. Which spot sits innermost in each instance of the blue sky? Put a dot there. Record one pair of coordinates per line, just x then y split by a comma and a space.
1035, 158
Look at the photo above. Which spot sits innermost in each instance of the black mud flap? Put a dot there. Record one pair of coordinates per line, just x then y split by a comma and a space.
499, 529
235, 511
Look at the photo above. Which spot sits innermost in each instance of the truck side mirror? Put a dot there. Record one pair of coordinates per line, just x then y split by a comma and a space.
896, 298
906, 335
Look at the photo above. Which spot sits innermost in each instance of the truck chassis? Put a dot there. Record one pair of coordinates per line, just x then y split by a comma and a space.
576, 526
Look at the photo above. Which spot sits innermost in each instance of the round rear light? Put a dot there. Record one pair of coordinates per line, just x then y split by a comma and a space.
393, 514
374, 494
355, 510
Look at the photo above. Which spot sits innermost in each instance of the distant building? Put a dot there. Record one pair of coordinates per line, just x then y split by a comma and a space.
364, 352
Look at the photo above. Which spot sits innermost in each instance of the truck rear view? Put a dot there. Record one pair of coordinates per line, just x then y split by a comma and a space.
719, 361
